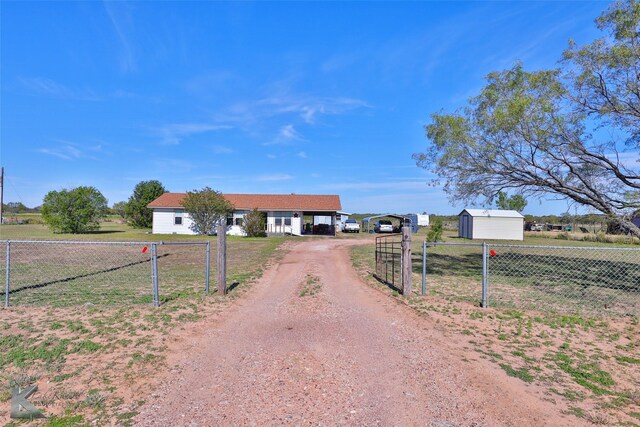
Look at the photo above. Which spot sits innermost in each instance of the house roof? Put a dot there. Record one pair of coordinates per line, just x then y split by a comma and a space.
276, 202
492, 213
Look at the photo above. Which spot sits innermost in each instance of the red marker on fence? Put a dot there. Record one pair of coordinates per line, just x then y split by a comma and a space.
144, 249
492, 252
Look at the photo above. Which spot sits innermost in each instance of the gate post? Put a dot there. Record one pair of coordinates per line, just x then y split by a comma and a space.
424, 267
207, 268
8, 275
485, 276
154, 270
406, 261
222, 259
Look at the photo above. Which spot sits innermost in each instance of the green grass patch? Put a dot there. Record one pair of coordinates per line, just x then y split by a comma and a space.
311, 286
66, 421
522, 373
626, 359
588, 375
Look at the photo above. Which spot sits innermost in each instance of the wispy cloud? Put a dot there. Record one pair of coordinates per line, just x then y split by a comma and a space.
173, 133
275, 177
286, 135
306, 108
66, 150
378, 185
49, 87
302, 155
120, 15
221, 149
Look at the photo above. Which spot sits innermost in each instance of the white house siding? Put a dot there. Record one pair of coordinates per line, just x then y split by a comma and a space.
497, 228
163, 222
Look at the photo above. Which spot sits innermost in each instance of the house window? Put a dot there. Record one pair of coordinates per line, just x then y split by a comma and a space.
238, 221
230, 220
283, 217
177, 217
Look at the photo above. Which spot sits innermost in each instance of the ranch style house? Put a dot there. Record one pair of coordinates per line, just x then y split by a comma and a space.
295, 214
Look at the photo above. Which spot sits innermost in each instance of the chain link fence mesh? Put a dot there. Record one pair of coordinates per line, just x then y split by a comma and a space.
182, 270
453, 272
63, 273
575, 279
566, 279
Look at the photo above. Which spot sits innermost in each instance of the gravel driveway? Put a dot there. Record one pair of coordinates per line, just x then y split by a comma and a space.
339, 353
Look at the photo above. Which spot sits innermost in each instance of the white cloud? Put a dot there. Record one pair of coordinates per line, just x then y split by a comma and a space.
70, 151
120, 15
378, 185
275, 177
271, 156
307, 108
221, 149
302, 155
49, 87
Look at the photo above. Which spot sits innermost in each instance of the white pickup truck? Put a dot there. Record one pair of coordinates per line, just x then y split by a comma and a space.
350, 226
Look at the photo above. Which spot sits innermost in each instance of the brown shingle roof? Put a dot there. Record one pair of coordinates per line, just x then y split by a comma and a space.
277, 202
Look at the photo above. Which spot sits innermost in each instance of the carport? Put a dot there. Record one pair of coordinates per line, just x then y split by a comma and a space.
406, 219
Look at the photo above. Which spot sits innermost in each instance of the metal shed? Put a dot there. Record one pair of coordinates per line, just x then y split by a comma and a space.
411, 219
491, 224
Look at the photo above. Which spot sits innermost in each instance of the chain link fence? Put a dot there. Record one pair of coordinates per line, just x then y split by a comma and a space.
567, 279
63, 273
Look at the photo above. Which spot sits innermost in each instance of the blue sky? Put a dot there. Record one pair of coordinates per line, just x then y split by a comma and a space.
283, 97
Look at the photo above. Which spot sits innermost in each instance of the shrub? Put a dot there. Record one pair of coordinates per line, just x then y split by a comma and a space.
435, 232
254, 224
74, 211
207, 208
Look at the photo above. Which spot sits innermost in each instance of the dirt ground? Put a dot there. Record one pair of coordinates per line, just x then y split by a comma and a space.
312, 344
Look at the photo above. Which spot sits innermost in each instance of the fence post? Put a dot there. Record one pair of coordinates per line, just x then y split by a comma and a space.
8, 275
485, 277
424, 267
154, 269
222, 259
207, 268
406, 261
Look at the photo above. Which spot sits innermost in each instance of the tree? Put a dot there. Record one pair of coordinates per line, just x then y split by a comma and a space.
78, 210
15, 207
119, 208
515, 202
254, 224
538, 132
136, 211
206, 208
435, 231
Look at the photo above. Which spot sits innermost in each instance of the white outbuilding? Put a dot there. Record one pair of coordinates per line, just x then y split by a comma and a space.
490, 224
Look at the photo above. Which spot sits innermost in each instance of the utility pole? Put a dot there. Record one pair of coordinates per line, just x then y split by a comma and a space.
1, 192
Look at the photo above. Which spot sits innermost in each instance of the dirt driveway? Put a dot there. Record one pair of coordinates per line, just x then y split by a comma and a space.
313, 345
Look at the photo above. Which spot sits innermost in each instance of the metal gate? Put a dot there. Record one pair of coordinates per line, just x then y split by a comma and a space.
389, 260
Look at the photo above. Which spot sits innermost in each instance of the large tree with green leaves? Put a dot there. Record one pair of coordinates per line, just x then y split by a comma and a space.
571, 133
516, 202
206, 208
78, 210
136, 211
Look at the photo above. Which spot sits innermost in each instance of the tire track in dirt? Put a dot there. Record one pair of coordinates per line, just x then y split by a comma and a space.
346, 355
